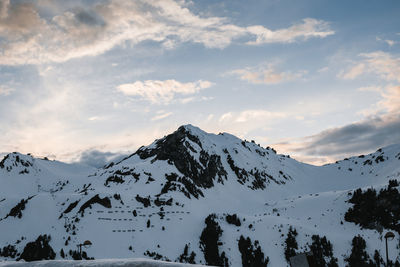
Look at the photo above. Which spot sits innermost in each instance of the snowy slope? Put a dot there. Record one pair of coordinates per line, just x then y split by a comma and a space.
155, 201
97, 263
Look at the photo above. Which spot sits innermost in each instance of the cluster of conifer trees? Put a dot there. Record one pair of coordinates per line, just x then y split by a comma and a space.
376, 210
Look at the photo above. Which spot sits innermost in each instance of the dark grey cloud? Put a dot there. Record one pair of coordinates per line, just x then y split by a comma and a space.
98, 159
360, 137
89, 18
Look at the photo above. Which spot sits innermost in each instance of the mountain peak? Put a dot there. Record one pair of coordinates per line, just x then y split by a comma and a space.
18, 161
192, 160
192, 130
190, 127
184, 149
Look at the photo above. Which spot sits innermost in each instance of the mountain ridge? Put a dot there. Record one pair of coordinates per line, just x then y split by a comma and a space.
154, 202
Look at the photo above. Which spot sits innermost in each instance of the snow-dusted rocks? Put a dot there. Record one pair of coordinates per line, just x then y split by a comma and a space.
17, 163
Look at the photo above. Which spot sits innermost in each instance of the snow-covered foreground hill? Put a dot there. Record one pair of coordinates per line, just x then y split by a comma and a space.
154, 203
96, 263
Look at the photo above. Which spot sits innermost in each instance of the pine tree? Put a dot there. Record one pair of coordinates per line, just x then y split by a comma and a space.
291, 243
39, 249
378, 259
209, 243
358, 256
252, 256
185, 257
62, 254
322, 251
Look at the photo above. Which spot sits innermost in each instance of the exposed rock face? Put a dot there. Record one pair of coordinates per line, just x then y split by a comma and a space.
105, 202
175, 148
16, 211
71, 207
15, 160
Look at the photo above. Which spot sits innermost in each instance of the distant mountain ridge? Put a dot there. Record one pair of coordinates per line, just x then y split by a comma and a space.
154, 202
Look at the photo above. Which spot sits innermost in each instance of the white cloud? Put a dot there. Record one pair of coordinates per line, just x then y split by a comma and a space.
4, 90
248, 123
384, 64
225, 117
390, 42
381, 63
323, 69
97, 118
353, 72
28, 38
265, 75
94, 118
387, 67
243, 121
258, 115
195, 99
390, 99
187, 100
301, 31
370, 89
162, 92
209, 117
387, 41
161, 115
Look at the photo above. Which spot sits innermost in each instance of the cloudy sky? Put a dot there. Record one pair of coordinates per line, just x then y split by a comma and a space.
87, 80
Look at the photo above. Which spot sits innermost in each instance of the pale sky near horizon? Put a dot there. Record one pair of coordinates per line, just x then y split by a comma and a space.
89, 80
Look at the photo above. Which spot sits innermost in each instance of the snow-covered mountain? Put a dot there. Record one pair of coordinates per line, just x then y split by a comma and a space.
154, 202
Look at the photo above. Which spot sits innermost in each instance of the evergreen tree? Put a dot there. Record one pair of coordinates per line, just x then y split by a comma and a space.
233, 219
209, 243
374, 210
9, 251
358, 256
291, 243
322, 251
62, 254
185, 257
252, 256
378, 259
38, 250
